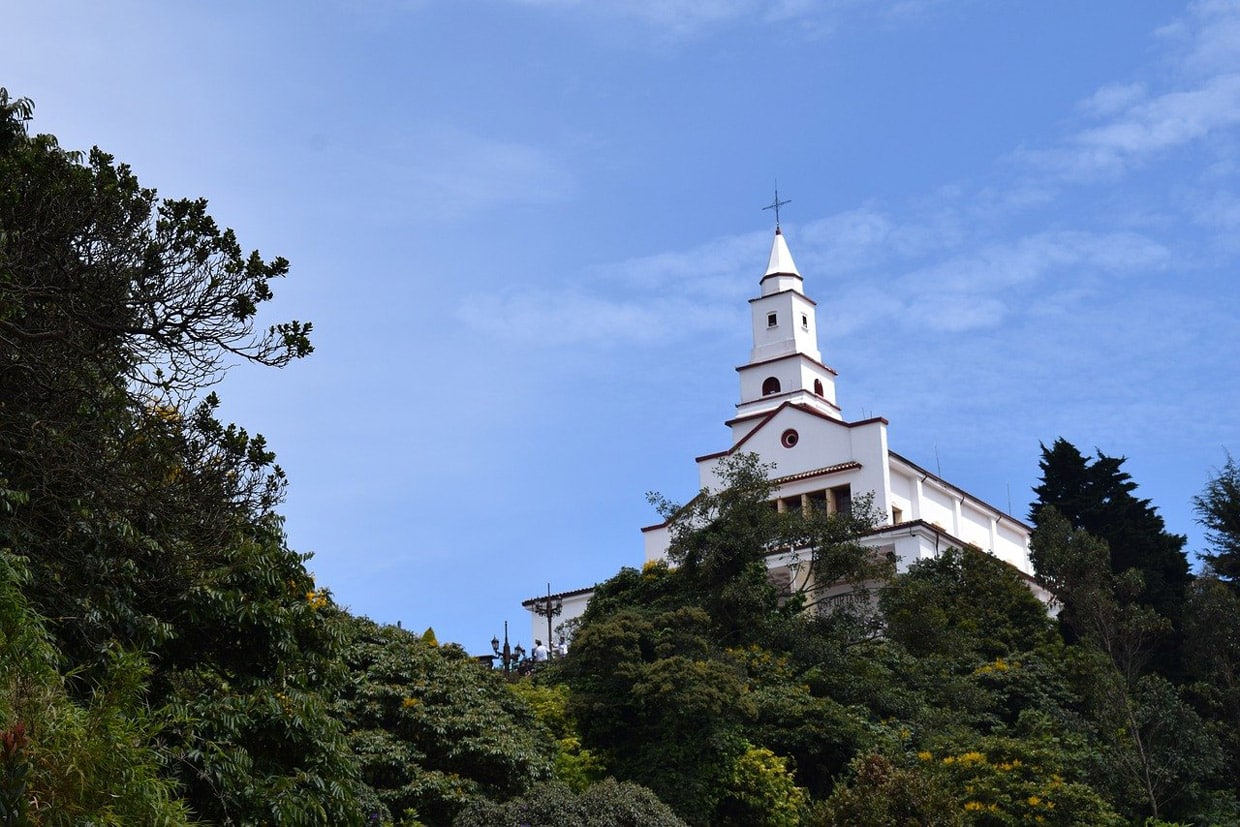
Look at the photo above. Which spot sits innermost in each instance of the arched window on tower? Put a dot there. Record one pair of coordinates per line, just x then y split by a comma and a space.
818, 386
770, 386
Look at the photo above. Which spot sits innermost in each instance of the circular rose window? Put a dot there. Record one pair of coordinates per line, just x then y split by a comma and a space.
789, 438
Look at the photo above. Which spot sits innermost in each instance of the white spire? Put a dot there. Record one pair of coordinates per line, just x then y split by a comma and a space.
785, 364
781, 262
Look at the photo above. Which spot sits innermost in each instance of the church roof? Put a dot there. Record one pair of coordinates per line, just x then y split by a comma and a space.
767, 416
781, 262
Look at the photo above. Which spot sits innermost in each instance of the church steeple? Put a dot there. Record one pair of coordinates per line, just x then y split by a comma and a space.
781, 270
784, 364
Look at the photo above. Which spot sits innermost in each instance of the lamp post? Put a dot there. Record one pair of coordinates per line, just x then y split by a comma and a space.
548, 608
508, 656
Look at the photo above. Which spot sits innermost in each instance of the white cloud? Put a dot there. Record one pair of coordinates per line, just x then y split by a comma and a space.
1113, 99
568, 316
446, 173
690, 17
1137, 124
1208, 40
1166, 121
983, 288
716, 268
654, 300
649, 300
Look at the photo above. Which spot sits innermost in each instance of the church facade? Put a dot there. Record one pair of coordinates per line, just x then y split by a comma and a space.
788, 417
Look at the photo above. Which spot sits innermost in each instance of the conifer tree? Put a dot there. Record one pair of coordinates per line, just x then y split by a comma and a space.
1218, 509
1097, 496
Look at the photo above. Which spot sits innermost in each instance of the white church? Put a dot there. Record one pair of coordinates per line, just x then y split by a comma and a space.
788, 416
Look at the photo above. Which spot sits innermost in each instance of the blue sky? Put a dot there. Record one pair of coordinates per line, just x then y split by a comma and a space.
526, 230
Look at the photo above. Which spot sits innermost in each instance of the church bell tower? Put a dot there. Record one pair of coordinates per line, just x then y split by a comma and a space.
784, 364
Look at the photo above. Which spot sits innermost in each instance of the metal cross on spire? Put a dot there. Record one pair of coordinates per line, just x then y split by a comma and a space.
776, 204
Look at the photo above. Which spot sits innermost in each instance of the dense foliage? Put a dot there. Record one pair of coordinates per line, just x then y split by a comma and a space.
166, 658
968, 706
432, 729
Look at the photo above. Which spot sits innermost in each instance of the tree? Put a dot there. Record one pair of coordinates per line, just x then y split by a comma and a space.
150, 525
882, 794
432, 729
656, 700
606, 804
1218, 509
721, 540
63, 760
964, 603
682, 678
1097, 497
1212, 661
762, 792
1154, 749
574, 765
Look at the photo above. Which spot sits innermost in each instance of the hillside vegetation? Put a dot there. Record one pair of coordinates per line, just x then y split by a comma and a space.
166, 658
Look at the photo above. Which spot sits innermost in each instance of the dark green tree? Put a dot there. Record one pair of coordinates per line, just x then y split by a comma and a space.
964, 603
65, 760
1212, 664
606, 804
1154, 752
1218, 509
883, 794
432, 728
150, 525
1097, 496
657, 701
683, 679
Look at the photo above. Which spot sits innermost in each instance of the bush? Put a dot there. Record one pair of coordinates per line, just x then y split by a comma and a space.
609, 803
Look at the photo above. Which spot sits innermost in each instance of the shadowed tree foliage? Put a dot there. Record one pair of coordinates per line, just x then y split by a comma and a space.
606, 804
432, 728
1097, 496
148, 524
1153, 751
68, 761
964, 602
1218, 509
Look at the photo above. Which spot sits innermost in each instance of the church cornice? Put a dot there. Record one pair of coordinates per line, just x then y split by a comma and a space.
781, 292
949, 540
930, 475
839, 467
773, 359
807, 409
773, 396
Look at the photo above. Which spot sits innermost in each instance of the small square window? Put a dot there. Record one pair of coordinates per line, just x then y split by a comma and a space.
804, 322
771, 320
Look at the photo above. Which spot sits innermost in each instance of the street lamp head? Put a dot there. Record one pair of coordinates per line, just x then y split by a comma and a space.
495, 645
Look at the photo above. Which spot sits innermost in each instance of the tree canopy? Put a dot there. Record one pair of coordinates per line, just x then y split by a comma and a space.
1218, 509
1097, 496
166, 657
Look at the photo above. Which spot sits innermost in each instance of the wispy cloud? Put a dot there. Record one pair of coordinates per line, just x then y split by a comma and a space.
555, 318
1207, 40
675, 15
1133, 123
445, 173
960, 259
648, 300
681, 18
667, 297
986, 287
